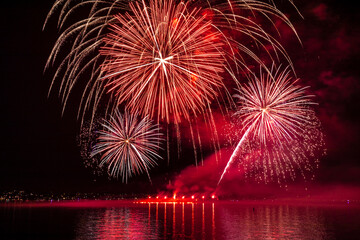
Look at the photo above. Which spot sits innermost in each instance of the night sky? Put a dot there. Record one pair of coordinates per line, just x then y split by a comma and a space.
39, 149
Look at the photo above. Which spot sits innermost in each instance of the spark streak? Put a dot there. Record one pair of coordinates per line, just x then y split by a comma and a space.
234, 154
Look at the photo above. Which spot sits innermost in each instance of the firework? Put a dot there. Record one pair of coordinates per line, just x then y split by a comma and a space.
169, 60
279, 123
163, 59
127, 146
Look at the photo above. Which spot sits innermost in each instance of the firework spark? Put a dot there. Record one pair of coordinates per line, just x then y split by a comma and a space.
86, 140
278, 121
128, 146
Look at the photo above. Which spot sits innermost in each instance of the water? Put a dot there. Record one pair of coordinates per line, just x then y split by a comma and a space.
210, 220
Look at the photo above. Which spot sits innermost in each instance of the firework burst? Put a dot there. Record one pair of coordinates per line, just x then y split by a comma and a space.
279, 124
163, 60
275, 107
127, 146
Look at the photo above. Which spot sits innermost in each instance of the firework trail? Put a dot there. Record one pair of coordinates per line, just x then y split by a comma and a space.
128, 146
169, 60
276, 114
235, 153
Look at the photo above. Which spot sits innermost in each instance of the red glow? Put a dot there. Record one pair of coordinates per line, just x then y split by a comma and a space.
211, 37
192, 197
165, 197
175, 22
203, 197
182, 197
213, 196
208, 14
193, 79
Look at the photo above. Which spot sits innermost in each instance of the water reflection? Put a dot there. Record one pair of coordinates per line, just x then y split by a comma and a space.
115, 223
272, 222
201, 221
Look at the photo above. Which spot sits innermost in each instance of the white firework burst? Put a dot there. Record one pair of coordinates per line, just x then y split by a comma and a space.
127, 145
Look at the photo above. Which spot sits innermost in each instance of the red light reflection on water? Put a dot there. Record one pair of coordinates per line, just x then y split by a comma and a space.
151, 219
204, 220
120, 224
173, 218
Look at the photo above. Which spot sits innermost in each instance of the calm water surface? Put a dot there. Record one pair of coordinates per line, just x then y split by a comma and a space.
217, 220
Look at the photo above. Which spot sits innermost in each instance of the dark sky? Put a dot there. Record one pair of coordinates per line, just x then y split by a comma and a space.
39, 150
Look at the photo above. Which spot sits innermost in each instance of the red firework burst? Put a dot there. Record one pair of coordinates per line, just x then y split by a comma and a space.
163, 60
